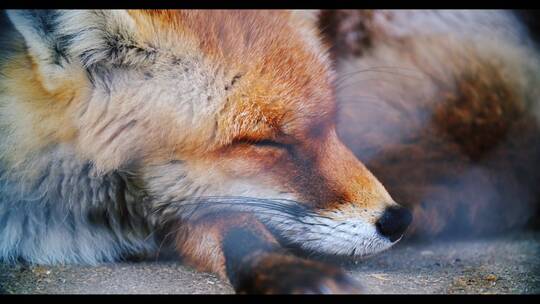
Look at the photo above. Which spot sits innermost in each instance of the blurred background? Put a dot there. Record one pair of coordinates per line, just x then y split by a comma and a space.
442, 106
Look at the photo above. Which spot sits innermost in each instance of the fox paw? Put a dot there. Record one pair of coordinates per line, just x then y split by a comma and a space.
281, 274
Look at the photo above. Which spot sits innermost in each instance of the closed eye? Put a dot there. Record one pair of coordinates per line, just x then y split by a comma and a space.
270, 143
265, 143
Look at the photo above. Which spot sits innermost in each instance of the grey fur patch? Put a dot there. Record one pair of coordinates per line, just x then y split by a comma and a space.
66, 214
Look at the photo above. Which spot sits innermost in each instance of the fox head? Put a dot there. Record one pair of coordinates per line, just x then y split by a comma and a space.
233, 108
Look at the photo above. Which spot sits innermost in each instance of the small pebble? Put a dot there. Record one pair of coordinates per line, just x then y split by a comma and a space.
491, 277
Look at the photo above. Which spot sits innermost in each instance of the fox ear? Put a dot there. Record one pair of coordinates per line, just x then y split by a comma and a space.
39, 30
62, 39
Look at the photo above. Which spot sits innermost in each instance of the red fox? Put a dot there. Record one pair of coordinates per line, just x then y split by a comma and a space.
211, 132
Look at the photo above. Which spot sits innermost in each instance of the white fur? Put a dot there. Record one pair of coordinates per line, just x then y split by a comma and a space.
352, 237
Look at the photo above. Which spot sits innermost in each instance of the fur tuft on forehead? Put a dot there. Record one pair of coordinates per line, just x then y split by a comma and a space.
265, 71
216, 32
236, 35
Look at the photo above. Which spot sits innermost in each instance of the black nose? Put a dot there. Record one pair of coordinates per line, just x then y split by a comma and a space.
394, 221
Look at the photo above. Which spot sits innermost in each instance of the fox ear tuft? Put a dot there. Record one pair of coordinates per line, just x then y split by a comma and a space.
39, 30
58, 40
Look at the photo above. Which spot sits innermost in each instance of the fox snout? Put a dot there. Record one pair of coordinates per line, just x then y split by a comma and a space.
348, 212
394, 222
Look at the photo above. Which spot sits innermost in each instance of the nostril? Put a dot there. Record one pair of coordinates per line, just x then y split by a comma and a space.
393, 222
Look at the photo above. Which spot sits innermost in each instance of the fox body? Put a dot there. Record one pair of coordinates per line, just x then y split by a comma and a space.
210, 132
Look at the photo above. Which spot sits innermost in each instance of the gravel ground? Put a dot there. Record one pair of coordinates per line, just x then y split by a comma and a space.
505, 264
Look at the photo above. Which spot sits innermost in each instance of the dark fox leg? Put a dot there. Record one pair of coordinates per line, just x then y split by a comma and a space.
239, 248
